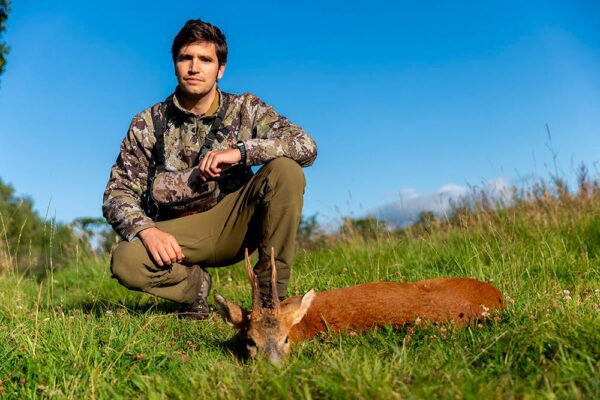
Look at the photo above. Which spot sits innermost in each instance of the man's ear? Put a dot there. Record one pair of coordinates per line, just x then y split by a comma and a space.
233, 314
295, 311
221, 71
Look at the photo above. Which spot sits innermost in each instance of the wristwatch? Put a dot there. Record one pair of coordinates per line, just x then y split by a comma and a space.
242, 148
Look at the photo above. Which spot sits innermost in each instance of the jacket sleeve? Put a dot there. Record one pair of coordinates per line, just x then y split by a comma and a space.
275, 136
128, 181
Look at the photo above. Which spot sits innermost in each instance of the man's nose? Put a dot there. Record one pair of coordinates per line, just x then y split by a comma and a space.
195, 65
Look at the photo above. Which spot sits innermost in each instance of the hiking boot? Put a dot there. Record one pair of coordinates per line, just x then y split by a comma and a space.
199, 309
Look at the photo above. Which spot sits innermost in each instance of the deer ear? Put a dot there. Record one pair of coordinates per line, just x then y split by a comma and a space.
295, 311
231, 312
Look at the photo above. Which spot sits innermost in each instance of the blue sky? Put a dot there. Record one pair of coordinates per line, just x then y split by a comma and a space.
401, 97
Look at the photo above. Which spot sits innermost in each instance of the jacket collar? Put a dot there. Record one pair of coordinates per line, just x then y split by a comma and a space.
174, 104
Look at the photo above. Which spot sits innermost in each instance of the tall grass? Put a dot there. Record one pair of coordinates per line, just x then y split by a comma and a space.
78, 334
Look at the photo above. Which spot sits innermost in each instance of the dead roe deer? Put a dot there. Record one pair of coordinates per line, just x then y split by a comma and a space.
269, 331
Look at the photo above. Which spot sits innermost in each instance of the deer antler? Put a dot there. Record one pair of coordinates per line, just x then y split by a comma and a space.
254, 282
256, 298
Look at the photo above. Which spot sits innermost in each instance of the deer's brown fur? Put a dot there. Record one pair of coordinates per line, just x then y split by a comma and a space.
364, 306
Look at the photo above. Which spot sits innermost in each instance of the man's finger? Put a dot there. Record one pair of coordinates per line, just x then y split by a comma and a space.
214, 165
164, 256
202, 170
202, 166
207, 161
156, 257
171, 253
178, 252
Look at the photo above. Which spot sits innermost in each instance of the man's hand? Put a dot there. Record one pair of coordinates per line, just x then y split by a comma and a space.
162, 246
214, 162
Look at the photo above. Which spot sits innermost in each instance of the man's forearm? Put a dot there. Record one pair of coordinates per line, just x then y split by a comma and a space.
276, 136
125, 215
300, 148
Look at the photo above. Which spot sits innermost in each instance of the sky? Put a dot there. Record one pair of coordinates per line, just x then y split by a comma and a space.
406, 100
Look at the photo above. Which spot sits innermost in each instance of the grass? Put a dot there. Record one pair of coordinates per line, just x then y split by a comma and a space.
78, 334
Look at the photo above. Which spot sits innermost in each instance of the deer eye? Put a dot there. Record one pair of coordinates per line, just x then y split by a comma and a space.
286, 340
250, 343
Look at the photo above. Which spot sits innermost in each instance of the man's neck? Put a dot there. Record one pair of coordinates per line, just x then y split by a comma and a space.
197, 105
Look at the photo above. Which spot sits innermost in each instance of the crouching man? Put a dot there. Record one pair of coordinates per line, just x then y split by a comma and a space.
182, 193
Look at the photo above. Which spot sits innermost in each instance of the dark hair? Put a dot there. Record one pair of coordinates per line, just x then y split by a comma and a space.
197, 30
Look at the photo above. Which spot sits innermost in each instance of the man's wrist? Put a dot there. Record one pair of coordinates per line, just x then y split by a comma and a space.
242, 148
146, 231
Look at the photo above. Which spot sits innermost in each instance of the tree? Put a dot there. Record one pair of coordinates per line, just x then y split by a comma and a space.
4, 9
367, 227
97, 233
310, 234
27, 242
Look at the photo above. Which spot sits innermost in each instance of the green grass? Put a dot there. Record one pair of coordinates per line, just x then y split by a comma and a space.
78, 334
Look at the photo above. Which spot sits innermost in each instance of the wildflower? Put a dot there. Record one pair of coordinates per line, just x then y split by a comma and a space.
109, 313
192, 345
418, 321
183, 355
509, 299
486, 311
139, 356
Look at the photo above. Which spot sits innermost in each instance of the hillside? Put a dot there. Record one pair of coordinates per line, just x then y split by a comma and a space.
76, 333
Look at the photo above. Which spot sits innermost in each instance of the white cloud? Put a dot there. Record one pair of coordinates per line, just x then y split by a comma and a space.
410, 204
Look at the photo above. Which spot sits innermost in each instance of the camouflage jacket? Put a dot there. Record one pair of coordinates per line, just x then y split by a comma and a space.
266, 135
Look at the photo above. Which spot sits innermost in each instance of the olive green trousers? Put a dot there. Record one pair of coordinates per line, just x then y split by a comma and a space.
264, 213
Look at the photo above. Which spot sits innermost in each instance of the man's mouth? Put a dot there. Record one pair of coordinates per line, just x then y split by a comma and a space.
193, 80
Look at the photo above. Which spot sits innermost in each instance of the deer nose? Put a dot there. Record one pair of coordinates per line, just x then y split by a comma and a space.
276, 360
274, 354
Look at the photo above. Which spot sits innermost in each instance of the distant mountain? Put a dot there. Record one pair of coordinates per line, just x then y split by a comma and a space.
411, 204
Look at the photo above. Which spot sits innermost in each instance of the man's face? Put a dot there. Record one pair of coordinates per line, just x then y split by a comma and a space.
197, 68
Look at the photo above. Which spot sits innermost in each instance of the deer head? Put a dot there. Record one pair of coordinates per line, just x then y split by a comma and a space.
265, 330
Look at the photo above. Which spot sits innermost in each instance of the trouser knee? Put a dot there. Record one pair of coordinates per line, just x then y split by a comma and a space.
125, 266
285, 175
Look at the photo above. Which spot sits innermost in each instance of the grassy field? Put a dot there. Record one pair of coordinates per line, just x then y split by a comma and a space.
77, 334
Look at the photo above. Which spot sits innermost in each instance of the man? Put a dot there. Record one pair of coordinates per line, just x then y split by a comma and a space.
182, 193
